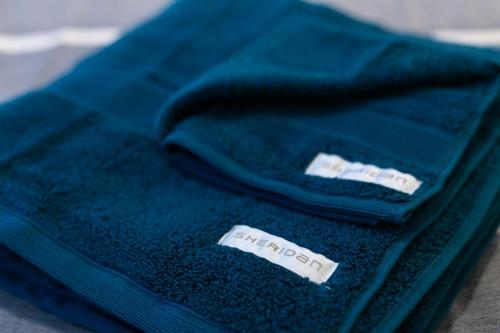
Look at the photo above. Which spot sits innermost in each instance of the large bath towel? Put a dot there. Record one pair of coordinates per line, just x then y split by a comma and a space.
224, 168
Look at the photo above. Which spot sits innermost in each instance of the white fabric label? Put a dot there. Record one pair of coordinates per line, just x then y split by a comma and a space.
333, 166
277, 250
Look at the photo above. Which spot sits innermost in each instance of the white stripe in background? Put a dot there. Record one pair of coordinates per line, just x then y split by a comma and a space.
474, 37
93, 37
68, 36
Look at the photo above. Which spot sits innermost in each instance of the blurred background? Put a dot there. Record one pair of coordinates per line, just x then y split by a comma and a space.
39, 40
24, 23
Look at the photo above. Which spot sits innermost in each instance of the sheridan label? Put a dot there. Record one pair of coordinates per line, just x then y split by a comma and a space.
277, 250
333, 166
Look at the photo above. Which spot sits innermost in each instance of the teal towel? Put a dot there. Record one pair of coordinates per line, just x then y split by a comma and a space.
311, 86
103, 224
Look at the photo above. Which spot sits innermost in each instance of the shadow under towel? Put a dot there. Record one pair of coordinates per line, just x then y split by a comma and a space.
373, 157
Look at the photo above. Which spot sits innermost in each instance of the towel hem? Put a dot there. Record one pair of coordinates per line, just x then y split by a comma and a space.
97, 284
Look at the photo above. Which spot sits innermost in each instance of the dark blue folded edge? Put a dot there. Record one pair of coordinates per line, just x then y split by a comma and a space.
439, 265
26, 281
435, 304
107, 289
422, 219
190, 162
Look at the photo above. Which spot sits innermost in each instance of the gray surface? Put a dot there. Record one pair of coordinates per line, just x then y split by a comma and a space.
477, 308
423, 15
18, 316
20, 73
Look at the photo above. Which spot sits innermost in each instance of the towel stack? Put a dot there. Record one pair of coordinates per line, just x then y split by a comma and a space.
253, 166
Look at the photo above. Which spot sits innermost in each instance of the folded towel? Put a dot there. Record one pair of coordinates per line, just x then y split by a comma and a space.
101, 225
283, 118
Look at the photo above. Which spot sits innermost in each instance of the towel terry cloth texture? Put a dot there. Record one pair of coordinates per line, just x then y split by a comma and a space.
119, 179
